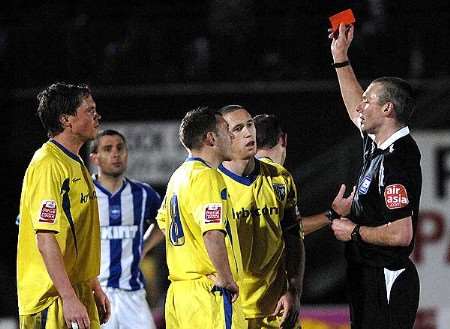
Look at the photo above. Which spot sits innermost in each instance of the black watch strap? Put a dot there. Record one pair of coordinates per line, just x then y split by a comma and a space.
341, 64
331, 214
355, 233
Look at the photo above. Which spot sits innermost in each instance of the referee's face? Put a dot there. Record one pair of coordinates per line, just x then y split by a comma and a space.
242, 127
370, 111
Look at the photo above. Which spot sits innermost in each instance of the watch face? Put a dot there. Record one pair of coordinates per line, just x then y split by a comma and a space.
355, 234
331, 215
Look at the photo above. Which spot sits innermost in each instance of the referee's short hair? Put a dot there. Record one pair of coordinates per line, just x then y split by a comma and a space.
268, 130
400, 93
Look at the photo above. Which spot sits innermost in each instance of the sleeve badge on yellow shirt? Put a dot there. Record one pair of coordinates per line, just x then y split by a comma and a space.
213, 213
280, 191
48, 212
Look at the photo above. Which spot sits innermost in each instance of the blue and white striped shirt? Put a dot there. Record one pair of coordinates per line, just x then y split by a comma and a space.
124, 217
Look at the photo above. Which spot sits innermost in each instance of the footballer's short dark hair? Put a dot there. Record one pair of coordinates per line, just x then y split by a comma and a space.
268, 130
56, 100
231, 108
195, 125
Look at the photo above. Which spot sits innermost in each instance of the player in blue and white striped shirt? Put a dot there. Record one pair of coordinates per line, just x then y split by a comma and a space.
127, 210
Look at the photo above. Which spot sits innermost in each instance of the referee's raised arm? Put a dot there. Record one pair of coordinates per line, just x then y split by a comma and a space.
351, 90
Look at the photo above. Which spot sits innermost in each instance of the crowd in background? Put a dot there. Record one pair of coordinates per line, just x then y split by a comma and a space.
145, 42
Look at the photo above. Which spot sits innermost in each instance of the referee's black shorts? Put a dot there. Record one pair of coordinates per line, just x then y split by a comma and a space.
369, 305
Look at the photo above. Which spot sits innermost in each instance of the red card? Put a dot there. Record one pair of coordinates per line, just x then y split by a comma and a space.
345, 17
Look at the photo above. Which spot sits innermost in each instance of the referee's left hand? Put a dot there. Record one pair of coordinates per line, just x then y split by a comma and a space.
341, 204
342, 228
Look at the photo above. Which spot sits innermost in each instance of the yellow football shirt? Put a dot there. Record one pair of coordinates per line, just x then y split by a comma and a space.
293, 201
196, 201
259, 202
57, 195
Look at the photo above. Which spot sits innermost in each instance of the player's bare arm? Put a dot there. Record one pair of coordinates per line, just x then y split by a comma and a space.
73, 309
215, 245
101, 300
313, 223
289, 304
395, 234
350, 88
152, 237
161, 218
341, 205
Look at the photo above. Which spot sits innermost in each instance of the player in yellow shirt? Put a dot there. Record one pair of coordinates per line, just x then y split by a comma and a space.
201, 240
58, 253
264, 204
271, 140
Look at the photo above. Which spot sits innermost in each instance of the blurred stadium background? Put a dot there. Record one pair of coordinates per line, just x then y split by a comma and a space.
148, 62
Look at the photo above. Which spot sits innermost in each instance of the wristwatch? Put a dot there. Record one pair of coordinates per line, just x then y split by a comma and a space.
355, 233
331, 214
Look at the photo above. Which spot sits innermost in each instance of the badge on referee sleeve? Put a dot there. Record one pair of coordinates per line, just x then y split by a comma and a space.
396, 196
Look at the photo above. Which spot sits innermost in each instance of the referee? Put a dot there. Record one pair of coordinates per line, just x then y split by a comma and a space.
379, 228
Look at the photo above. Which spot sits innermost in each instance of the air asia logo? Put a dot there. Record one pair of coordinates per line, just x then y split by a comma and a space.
395, 196
48, 212
280, 191
213, 213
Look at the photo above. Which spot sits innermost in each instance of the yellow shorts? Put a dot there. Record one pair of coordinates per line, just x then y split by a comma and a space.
269, 322
198, 303
52, 317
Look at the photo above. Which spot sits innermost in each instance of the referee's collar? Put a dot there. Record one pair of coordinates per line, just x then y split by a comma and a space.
396, 136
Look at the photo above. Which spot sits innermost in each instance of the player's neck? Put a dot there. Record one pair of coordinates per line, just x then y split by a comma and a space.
111, 183
272, 154
70, 142
241, 167
206, 155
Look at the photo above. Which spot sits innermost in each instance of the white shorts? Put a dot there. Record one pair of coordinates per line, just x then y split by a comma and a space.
129, 310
